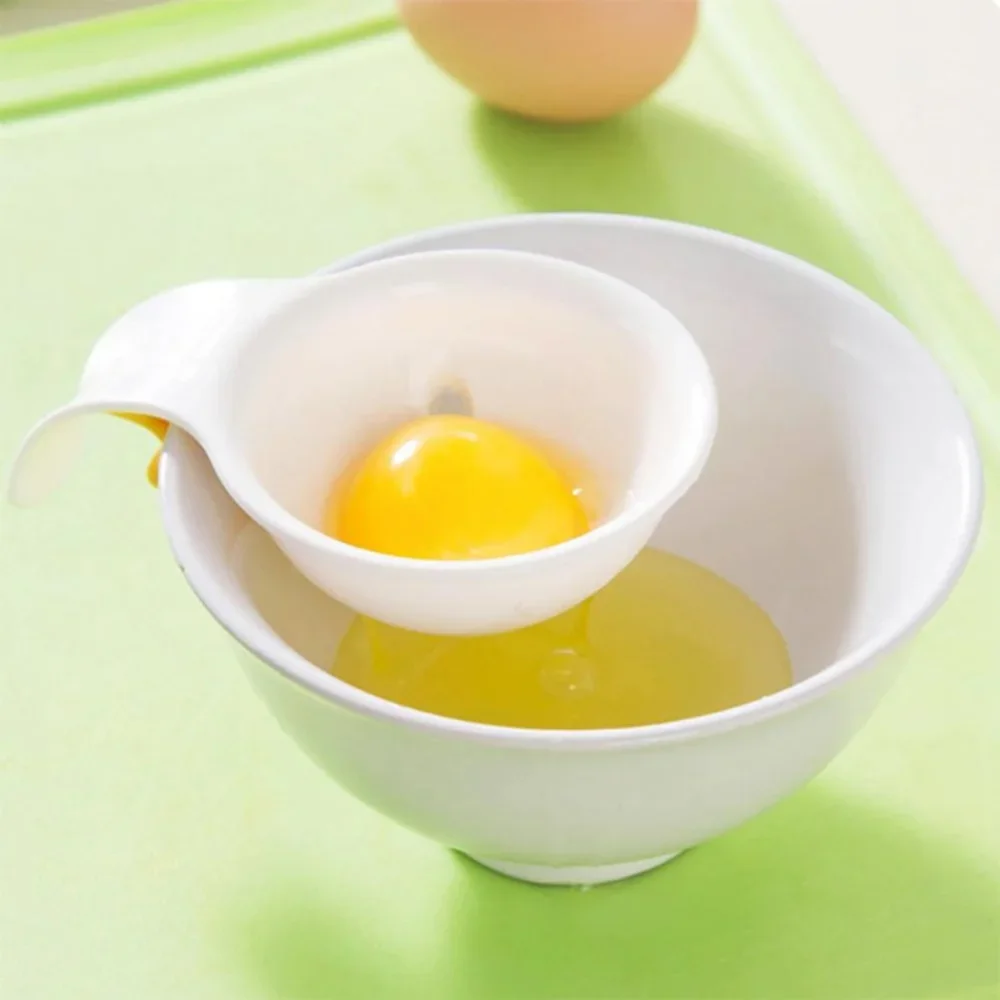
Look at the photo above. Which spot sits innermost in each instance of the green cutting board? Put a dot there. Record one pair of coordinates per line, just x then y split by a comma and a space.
159, 837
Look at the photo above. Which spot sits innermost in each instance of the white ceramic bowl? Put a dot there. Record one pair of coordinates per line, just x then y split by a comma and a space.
843, 494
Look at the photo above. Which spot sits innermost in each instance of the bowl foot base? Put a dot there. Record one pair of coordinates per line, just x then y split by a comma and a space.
574, 874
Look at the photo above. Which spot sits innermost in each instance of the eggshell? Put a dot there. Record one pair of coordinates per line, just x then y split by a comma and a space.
555, 60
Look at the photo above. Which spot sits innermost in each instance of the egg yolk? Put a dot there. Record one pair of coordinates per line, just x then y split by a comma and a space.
454, 487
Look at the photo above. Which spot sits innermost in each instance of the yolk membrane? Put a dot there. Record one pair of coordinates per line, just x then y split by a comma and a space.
455, 487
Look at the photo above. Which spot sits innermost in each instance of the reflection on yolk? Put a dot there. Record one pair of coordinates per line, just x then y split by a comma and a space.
453, 487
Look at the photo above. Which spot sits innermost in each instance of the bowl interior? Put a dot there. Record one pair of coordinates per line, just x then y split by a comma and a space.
842, 493
843, 489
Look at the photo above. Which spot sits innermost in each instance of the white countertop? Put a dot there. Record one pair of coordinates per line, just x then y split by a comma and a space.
921, 76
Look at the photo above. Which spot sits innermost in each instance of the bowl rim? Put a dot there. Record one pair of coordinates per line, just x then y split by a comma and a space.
314, 680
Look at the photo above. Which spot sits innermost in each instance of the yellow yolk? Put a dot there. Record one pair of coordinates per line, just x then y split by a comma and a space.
453, 487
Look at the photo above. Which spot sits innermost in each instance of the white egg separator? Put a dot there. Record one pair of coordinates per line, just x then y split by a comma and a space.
284, 382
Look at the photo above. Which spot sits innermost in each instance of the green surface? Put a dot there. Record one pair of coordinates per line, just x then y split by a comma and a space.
159, 837
170, 44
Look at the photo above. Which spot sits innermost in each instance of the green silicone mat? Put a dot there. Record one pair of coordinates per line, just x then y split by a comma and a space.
159, 837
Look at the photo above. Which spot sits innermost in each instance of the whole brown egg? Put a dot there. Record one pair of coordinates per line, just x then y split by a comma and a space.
555, 60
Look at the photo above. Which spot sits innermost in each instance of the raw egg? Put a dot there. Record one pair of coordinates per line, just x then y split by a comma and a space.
555, 60
665, 640
454, 487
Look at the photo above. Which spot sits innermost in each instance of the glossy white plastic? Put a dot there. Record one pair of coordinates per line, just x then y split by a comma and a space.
284, 383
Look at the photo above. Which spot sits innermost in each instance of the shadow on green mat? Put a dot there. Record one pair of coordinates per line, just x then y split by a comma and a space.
659, 162
823, 898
